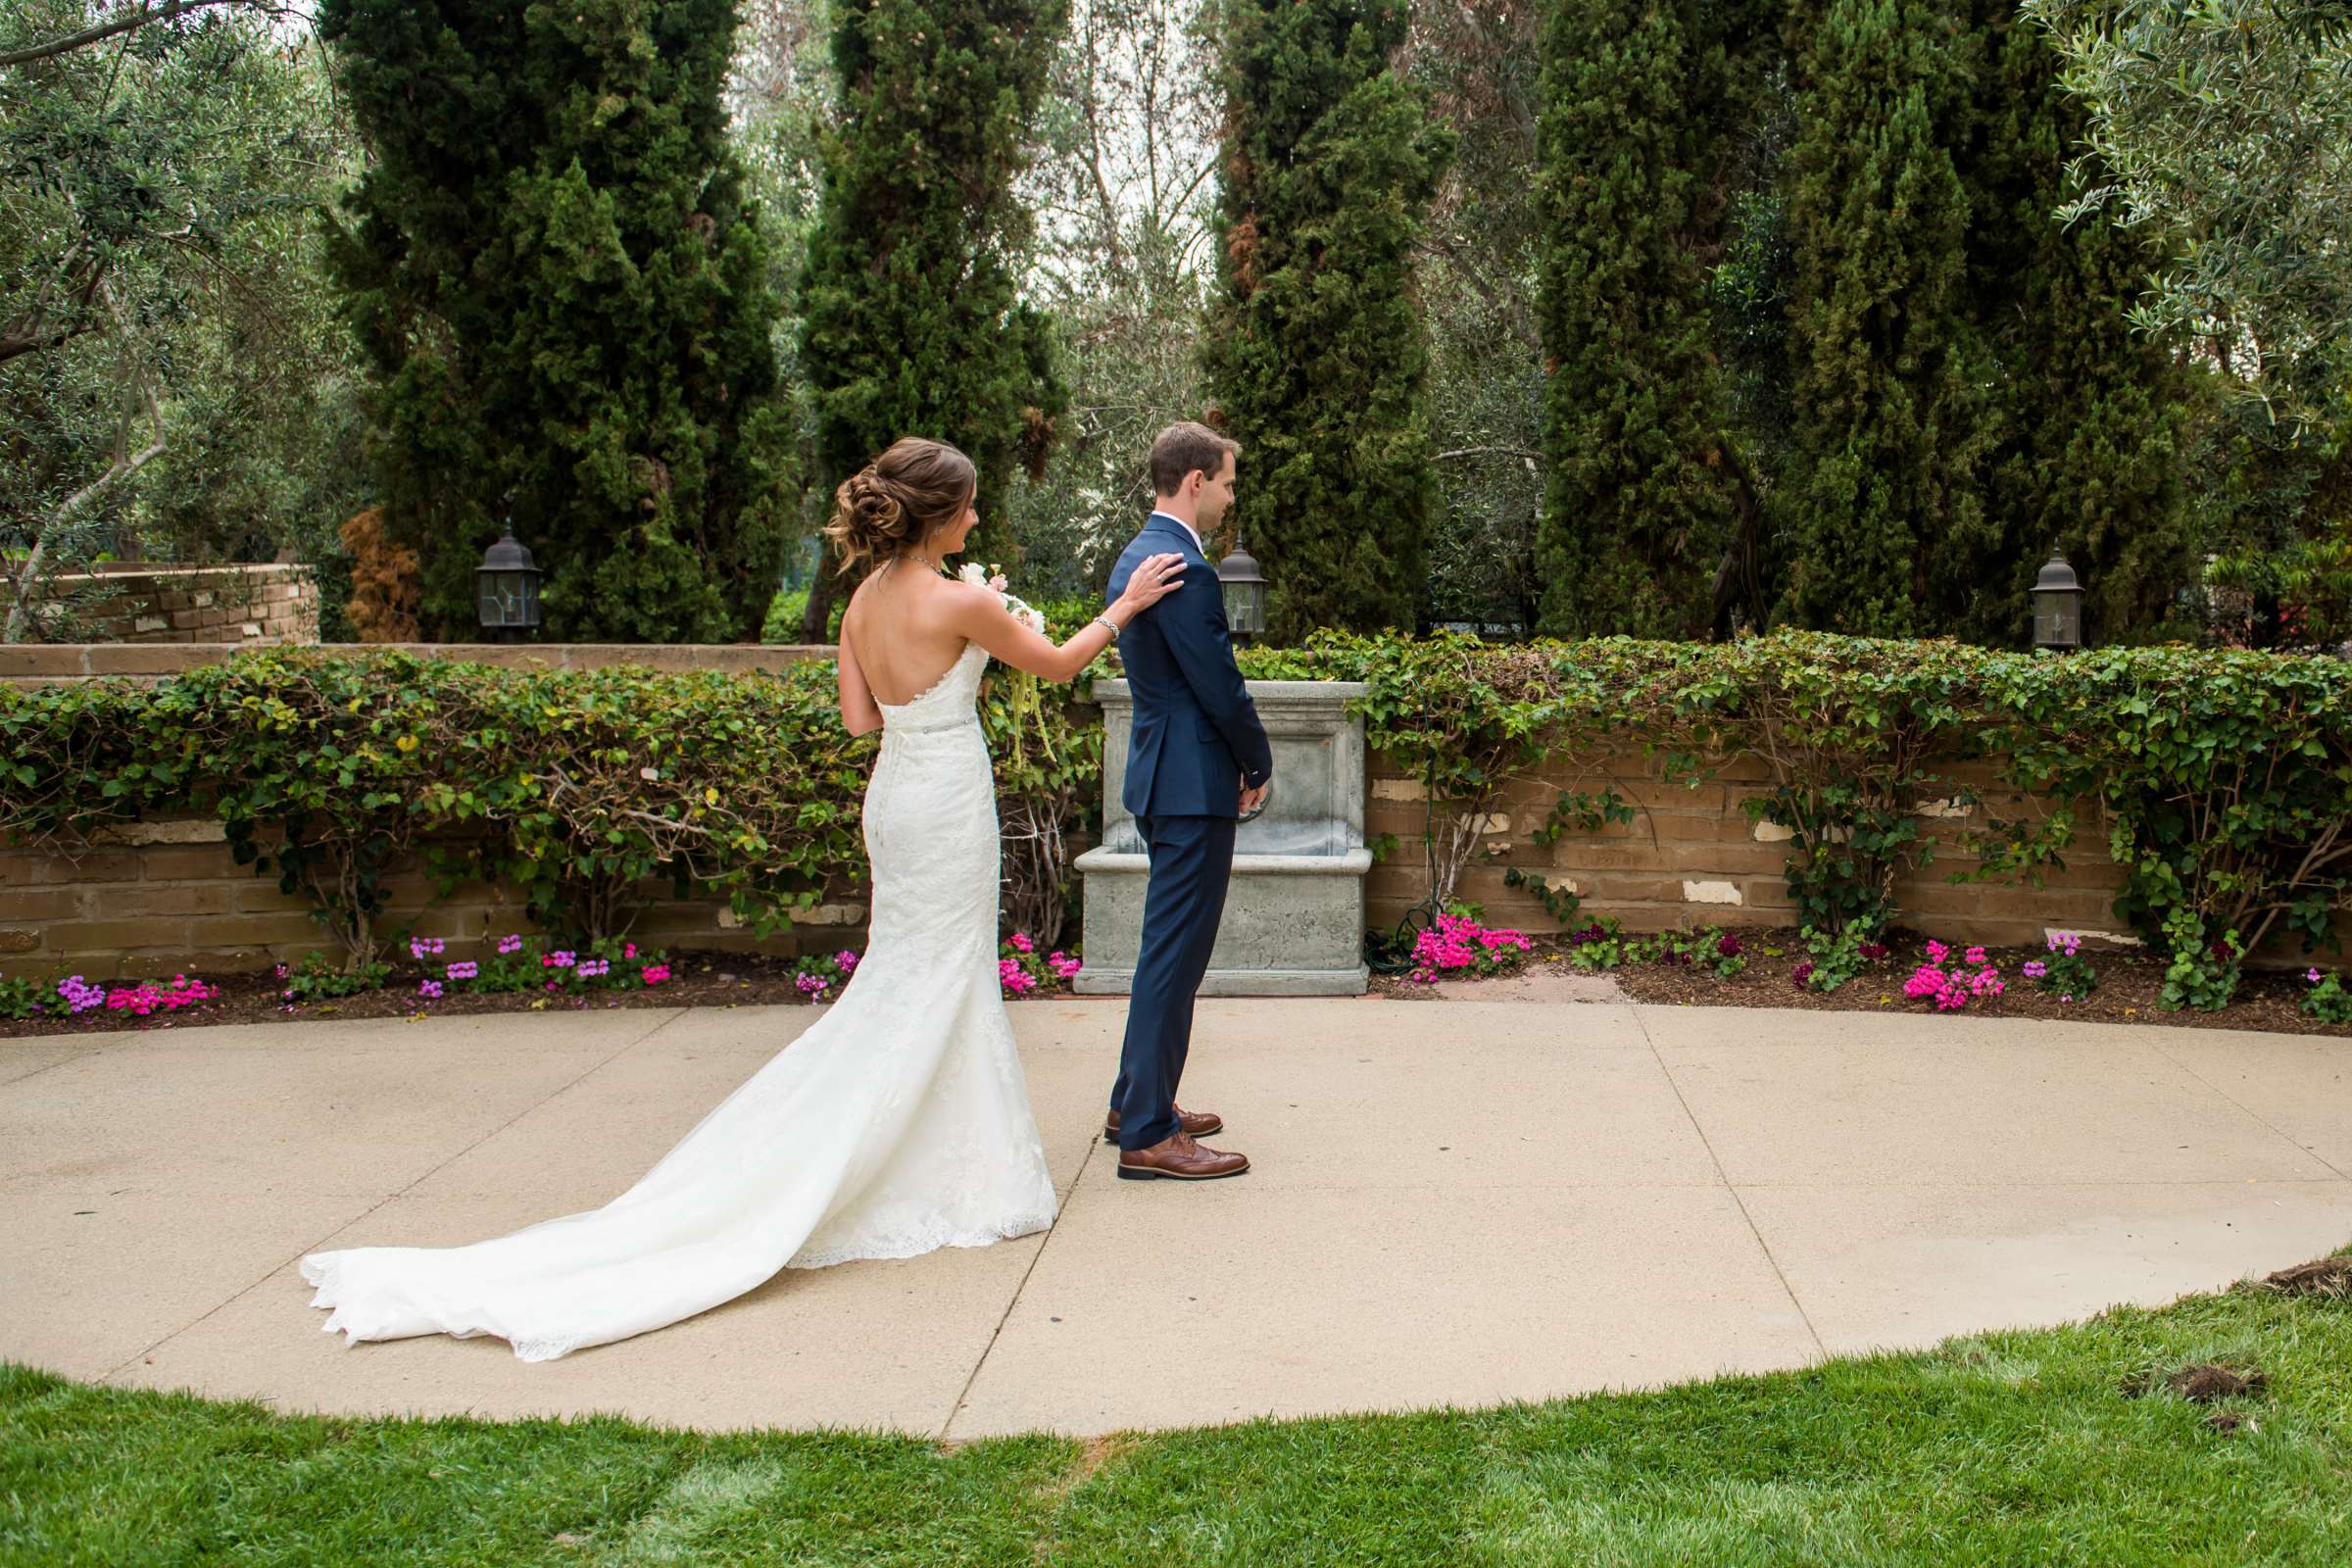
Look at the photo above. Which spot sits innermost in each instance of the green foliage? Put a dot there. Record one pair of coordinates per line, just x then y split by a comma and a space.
2328, 1001
579, 786
2202, 974
1558, 903
2091, 414
21, 997
1839, 955
2065, 972
1461, 718
789, 609
912, 317
1600, 945
566, 304
1047, 748
1645, 486
1316, 357
1580, 811
319, 978
2225, 779
1968, 393
1845, 731
1889, 379
2226, 127
172, 376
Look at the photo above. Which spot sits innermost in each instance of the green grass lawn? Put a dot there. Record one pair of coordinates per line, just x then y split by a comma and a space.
1997, 1448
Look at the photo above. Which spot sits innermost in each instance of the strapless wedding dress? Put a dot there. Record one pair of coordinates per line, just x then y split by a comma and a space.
896, 1123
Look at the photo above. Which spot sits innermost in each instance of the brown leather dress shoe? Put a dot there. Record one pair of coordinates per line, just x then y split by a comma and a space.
1195, 1123
1178, 1158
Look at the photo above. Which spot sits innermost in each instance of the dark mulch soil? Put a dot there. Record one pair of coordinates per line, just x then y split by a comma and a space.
2200, 1382
2329, 1277
697, 980
2129, 983
2127, 994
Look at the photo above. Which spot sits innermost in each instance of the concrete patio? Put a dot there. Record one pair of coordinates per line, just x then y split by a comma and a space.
1454, 1202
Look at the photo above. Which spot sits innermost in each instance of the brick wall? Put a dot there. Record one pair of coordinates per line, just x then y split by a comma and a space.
165, 896
1690, 858
45, 663
241, 606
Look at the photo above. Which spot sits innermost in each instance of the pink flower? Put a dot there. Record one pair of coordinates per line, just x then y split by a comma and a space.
1022, 944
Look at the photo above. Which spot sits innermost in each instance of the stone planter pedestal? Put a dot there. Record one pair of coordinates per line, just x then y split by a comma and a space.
1294, 921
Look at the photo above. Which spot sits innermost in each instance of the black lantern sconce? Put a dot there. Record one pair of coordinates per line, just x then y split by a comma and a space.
505, 590
2057, 605
1245, 589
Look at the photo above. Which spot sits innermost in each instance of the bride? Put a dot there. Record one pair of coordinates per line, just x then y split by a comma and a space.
899, 1121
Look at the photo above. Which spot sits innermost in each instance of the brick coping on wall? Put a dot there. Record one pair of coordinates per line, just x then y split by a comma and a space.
40, 664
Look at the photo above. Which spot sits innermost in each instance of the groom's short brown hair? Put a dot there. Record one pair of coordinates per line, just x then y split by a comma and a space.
1181, 448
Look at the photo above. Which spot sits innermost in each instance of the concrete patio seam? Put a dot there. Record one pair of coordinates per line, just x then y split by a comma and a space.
1821, 1348
121, 1042
1020, 1286
634, 1041
2249, 1112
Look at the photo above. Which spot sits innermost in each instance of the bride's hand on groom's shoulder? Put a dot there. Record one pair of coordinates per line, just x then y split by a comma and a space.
1153, 581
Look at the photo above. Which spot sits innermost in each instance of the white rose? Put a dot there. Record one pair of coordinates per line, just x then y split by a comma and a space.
973, 573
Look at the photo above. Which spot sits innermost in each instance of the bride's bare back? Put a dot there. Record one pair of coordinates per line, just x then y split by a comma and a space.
907, 624
901, 625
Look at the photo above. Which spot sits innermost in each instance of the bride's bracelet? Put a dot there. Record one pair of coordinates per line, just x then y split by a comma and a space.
1106, 621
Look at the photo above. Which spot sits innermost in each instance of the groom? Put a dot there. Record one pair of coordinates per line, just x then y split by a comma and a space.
1197, 761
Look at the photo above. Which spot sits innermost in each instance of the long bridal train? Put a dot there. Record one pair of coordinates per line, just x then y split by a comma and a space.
896, 1123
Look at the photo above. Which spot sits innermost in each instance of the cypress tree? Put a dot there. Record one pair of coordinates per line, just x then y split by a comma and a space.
2091, 413
1644, 490
1314, 350
1889, 370
912, 320
561, 294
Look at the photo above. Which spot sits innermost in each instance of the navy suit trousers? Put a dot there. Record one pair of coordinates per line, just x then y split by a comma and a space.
1191, 861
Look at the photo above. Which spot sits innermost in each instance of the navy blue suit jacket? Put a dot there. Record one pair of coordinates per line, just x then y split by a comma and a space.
1197, 732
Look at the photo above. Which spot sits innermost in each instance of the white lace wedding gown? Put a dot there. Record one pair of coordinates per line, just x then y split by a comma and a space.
896, 1123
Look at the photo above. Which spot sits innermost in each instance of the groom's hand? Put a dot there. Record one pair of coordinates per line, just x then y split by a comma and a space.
1253, 799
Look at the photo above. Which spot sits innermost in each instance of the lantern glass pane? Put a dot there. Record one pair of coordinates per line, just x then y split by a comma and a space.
503, 596
2057, 620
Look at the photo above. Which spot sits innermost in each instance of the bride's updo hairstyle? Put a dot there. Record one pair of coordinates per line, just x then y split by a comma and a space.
902, 498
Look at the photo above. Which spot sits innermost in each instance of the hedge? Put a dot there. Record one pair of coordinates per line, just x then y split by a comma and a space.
2223, 777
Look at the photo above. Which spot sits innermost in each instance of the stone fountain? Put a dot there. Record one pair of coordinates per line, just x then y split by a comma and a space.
1295, 914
